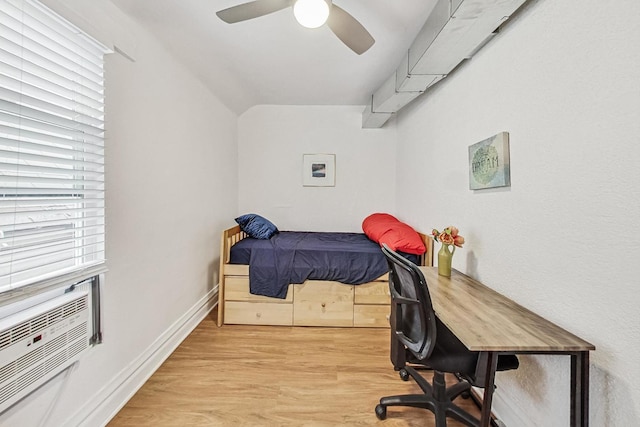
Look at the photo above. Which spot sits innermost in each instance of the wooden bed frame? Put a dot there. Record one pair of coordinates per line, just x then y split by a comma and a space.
313, 303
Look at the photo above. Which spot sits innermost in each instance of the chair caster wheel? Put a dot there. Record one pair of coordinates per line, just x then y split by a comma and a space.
404, 375
465, 395
381, 412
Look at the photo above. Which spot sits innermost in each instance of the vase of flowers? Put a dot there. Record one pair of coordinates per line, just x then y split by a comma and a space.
450, 239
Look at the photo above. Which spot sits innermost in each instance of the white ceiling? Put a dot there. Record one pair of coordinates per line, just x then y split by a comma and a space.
274, 60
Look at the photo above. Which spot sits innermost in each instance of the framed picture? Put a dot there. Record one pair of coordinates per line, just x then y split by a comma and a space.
319, 170
489, 163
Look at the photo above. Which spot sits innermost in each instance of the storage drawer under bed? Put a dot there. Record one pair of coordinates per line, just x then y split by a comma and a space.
313, 303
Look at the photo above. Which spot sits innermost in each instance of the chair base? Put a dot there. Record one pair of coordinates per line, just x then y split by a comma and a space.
437, 398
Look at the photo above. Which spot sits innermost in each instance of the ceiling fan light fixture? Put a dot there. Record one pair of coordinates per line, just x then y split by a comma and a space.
311, 13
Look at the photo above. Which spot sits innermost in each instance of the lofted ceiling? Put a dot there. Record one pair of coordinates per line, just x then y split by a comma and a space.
274, 60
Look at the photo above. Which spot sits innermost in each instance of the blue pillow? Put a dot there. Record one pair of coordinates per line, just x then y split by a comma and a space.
256, 226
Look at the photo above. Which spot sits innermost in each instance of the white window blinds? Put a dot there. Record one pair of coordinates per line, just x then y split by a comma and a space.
51, 147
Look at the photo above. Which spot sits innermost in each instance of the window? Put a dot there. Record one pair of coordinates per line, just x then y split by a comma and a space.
51, 148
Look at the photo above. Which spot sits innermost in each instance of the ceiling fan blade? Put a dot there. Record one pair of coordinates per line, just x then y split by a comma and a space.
251, 10
349, 30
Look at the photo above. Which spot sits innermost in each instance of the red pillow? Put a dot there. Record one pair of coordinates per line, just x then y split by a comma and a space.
398, 236
375, 225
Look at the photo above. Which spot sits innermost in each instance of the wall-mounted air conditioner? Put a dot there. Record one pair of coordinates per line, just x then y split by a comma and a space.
39, 342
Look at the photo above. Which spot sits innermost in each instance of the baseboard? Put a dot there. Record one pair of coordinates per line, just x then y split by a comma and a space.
106, 403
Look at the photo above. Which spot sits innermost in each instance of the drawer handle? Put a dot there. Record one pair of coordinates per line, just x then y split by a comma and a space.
258, 315
323, 305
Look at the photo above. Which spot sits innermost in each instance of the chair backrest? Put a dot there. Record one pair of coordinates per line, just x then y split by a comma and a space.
413, 320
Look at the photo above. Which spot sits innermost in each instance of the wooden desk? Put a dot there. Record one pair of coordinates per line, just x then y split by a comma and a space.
492, 324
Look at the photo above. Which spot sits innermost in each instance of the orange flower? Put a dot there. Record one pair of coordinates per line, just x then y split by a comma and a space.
449, 236
446, 238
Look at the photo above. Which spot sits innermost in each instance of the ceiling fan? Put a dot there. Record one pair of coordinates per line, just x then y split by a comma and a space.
347, 28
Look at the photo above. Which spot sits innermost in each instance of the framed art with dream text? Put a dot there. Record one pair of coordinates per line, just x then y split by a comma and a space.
489, 164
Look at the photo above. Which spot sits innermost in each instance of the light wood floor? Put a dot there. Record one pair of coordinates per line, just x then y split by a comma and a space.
275, 376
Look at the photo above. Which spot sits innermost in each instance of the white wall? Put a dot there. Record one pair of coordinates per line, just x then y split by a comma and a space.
563, 79
171, 187
272, 141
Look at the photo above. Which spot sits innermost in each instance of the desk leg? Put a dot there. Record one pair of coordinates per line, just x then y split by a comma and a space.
489, 381
580, 389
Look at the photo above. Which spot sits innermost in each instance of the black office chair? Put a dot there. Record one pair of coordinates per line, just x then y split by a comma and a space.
429, 343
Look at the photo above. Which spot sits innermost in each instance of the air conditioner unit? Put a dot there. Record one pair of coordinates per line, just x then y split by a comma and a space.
39, 342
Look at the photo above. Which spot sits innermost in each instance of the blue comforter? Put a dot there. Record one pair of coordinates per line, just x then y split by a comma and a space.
293, 257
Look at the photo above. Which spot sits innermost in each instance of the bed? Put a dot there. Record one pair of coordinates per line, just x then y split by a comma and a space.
326, 302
